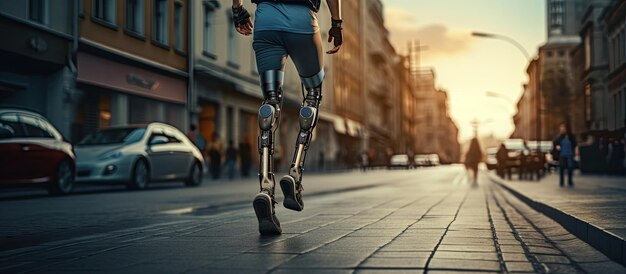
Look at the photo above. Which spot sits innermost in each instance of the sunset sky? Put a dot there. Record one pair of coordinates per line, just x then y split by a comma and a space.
468, 67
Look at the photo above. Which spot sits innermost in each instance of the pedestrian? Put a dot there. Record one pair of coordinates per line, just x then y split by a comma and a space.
231, 160
215, 156
286, 28
191, 134
321, 160
502, 156
245, 157
616, 157
198, 140
473, 157
564, 147
364, 161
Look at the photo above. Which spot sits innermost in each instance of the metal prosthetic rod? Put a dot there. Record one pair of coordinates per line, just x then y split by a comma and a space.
269, 120
308, 121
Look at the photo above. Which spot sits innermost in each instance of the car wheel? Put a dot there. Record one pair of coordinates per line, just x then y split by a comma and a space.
141, 176
195, 175
64, 179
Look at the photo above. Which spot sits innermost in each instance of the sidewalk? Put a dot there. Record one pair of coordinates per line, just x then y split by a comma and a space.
594, 209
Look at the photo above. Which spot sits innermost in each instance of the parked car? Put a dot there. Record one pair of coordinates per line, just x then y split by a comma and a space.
399, 161
422, 160
137, 155
33, 152
492, 160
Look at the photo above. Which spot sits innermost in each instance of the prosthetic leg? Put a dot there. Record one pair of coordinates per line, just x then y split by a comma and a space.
269, 120
291, 184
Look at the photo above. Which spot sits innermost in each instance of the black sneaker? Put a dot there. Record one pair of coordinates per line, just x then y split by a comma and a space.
264, 208
292, 191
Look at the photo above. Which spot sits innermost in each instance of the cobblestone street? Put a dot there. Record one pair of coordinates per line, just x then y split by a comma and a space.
434, 222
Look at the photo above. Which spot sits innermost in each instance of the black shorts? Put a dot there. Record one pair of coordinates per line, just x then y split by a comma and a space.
273, 47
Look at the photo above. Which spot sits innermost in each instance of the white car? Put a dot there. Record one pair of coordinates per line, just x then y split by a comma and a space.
399, 160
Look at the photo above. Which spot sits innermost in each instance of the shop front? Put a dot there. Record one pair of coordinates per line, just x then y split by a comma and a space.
119, 94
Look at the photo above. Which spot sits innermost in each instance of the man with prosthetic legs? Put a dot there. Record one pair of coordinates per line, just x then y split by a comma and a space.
286, 28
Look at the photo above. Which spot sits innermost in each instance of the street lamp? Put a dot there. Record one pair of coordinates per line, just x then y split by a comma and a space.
503, 38
526, 55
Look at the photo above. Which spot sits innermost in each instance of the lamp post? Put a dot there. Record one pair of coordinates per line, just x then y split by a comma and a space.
503, 38
528, 59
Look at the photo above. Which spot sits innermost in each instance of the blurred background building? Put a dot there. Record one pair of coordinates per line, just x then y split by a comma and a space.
90, 64
578, 77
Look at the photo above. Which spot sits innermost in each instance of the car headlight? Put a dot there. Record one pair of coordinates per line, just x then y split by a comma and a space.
111, 155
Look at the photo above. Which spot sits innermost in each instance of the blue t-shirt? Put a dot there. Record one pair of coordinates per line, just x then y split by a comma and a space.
567, 149
293, 18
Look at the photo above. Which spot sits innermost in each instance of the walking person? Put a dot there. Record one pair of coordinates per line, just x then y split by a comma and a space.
286, 28
245, 157
502, 156
231, 160
215, 156
473, 158
197, 139
564, 147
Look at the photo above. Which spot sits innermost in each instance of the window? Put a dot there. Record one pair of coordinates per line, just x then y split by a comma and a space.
135, 16
178, 27
549, 54
209, 30
159, 22
38, 11
588, 102
34, 127
105, 10
10, 127
587, 44
233, 44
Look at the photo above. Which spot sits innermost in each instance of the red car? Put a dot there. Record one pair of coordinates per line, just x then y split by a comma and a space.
33, 152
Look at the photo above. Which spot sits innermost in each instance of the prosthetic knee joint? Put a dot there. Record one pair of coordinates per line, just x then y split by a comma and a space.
308, 120
269, 118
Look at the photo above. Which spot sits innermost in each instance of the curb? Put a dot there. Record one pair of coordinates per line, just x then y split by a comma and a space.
604, 241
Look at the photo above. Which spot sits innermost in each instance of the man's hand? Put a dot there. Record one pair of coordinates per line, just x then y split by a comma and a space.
242, 21
335, 34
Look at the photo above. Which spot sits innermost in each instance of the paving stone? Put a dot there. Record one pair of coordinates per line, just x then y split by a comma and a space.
511, 249
394, 263
322, 260
469, 248
552, 259
397, 254
514, 257
452, 264
492, 256
519, 267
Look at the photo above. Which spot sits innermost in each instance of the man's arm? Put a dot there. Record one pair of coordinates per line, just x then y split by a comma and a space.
334, 6
336, 31
241, 18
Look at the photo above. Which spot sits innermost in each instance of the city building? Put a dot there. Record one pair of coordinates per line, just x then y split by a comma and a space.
132, 64
37, 62
615, 24
436, 131
382, 92
595, 67
563, 20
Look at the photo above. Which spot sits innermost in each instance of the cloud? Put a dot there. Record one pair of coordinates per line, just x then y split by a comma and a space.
402, 26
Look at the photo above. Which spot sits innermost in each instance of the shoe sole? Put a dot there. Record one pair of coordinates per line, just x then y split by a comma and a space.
288, 186
263, 208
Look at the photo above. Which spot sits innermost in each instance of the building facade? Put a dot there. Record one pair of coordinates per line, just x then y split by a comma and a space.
614, 18
37, 61
132, 64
